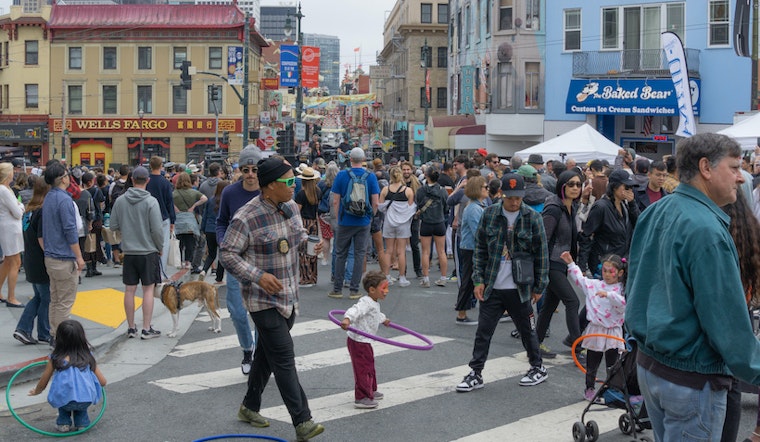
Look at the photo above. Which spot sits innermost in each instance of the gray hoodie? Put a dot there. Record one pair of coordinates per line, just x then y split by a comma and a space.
137, 215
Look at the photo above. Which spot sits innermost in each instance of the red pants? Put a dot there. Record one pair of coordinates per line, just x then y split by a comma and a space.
363, 362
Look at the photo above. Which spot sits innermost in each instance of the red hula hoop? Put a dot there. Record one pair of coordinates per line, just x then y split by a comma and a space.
428, 342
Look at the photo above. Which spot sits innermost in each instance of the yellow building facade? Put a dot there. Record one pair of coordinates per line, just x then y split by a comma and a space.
116, 70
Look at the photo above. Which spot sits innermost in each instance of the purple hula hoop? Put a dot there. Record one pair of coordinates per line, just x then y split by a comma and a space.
386, 340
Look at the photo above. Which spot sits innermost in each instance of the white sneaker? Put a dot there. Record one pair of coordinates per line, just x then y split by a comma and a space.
403, 282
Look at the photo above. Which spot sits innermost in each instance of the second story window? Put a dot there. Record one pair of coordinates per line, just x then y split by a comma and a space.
442, 57
180, 55
31, 96
533, 15
75, 99
572, 30
110, 99
75, 57
504, 87
109, 57
145, 99
719, 23
443, 13
179, 100
31, 52
505, 14
441, 98
145, 57
215, 57
426, 13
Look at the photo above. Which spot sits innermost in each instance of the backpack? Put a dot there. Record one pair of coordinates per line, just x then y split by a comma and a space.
324, 203
356, 199
118, 189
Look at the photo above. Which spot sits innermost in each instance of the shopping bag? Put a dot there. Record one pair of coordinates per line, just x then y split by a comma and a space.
90, 243
110, 236
174, 258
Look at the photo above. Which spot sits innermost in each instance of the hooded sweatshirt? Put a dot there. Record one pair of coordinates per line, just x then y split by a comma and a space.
137, 215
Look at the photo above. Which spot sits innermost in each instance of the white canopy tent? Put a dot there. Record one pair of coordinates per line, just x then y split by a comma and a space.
582, 144
745, 132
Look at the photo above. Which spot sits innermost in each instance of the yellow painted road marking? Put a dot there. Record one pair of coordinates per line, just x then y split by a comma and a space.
105, 306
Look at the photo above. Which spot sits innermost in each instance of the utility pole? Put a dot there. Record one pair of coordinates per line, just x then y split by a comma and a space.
425, 55
246, 97
64, 132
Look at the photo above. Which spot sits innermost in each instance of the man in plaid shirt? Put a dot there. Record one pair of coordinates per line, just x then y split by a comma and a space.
260, 249
508, 230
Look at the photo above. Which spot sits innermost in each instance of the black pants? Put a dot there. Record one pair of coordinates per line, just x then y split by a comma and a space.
490, 312
186, 244
594, 359
212, 248
274, 353
559, 289
466, 287
414, 243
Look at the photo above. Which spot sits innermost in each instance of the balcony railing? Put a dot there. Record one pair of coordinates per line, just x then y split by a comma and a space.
629, 63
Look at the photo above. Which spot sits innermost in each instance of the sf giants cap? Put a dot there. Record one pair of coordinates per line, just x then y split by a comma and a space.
512, 184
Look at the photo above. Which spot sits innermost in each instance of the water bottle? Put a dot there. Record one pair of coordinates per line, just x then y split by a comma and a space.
107, 220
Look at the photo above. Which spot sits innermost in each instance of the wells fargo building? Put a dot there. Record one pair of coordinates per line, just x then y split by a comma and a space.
116, 69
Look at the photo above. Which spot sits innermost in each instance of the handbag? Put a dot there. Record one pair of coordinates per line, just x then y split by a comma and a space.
90, 243
174, 258
522, 268
110, 236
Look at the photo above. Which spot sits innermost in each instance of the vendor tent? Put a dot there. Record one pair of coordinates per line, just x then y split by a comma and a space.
582, 144
745, 132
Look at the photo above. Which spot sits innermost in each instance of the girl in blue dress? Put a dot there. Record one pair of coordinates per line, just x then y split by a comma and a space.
77, 380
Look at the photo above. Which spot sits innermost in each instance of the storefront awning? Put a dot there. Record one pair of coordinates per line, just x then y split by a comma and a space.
438, 131
627, 97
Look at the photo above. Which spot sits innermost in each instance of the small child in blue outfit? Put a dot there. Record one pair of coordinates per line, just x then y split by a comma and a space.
77, 380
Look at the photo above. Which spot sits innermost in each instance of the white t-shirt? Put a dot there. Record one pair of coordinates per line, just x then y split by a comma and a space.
504, 280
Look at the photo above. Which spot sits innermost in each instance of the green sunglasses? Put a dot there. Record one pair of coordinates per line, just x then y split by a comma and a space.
288, 181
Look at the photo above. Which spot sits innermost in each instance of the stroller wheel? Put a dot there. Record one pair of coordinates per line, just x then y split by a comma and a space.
592, 431
624, 423
579, 432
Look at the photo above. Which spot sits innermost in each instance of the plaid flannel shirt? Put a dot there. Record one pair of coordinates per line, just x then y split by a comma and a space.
493, 234
253, 245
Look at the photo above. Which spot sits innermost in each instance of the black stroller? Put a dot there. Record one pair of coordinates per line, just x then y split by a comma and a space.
616, 391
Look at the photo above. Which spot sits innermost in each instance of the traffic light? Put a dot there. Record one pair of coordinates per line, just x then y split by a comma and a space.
187, 79
404, 140
226, 138
214, 92
45, 134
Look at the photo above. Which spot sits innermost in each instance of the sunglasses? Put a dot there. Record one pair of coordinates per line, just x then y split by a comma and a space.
627, 187
288, 181
246, 170
573, 184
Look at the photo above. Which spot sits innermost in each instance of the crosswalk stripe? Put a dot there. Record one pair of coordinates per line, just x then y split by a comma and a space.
553, 425
401, 391
233, 376
231, 341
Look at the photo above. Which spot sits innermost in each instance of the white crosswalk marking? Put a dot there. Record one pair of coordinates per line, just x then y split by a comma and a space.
231, 341
224, 378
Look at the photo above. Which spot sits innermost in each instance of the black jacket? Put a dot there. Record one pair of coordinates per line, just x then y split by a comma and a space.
641, 197
561, 231
605, 231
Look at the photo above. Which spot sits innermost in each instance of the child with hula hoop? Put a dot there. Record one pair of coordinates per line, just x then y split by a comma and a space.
366, 316
605, 310
77, 380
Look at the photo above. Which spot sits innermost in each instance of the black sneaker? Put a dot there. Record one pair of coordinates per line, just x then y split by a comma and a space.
132, 332
245, 366
150, 334
534, 376
24, 337
472, 381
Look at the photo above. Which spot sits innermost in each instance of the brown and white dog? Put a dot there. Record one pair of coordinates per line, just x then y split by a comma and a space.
200, 291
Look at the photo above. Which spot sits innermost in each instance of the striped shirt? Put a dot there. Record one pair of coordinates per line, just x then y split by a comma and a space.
262, 240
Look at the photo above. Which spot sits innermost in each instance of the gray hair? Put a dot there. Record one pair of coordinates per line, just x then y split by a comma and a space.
515, 162
713, 147
330, 172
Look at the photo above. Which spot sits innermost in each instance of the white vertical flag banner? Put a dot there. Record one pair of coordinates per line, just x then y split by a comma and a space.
673, 48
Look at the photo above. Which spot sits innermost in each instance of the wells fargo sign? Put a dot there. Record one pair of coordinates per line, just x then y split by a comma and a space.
147, 125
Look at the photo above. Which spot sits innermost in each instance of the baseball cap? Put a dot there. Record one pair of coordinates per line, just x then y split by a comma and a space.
482, 152
140, 173
512, 184
620, 176
527, 171
357, 153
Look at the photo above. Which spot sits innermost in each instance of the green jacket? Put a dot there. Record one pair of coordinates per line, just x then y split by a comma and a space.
686, 305
529, 236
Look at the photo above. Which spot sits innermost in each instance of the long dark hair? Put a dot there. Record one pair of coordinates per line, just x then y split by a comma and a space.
745, 231
218, 194
71, 342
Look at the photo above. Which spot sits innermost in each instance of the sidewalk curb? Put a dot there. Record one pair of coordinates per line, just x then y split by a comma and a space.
100, 345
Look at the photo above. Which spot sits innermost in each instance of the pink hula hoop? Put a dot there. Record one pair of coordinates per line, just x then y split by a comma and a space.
428, 342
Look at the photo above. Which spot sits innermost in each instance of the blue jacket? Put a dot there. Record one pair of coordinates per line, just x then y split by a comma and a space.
686, 304
468, 227
208, 222
162, 190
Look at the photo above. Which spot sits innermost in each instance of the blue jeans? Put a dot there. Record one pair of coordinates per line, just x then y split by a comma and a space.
79, 409
349, 264
681, 413
37, 307
238, 313
343, 239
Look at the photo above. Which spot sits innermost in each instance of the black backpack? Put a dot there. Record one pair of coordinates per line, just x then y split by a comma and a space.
118, 190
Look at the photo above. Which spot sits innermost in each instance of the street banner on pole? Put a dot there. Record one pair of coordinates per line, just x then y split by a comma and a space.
288, 66
235, 65
310, 67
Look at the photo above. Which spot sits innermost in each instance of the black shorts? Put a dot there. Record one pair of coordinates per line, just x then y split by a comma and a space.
141, 268
438, 229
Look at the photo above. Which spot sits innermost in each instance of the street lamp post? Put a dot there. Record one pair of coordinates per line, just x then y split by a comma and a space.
299, 41
424, 63
140, 151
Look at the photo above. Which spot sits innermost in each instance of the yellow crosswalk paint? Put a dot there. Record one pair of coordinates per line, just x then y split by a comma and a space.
105, 306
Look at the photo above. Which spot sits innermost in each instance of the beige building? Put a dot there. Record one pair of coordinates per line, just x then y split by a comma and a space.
24, 84
410, 26
116, 70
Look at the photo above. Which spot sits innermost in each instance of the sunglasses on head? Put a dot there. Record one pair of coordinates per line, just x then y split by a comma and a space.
249, 170
288, 181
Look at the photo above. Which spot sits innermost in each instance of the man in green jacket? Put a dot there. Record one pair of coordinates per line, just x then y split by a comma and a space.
686, 305
507, 233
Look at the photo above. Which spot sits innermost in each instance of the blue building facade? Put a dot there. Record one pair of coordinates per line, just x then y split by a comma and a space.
605, 66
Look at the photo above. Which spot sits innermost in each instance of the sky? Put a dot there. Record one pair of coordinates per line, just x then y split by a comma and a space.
357, 23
